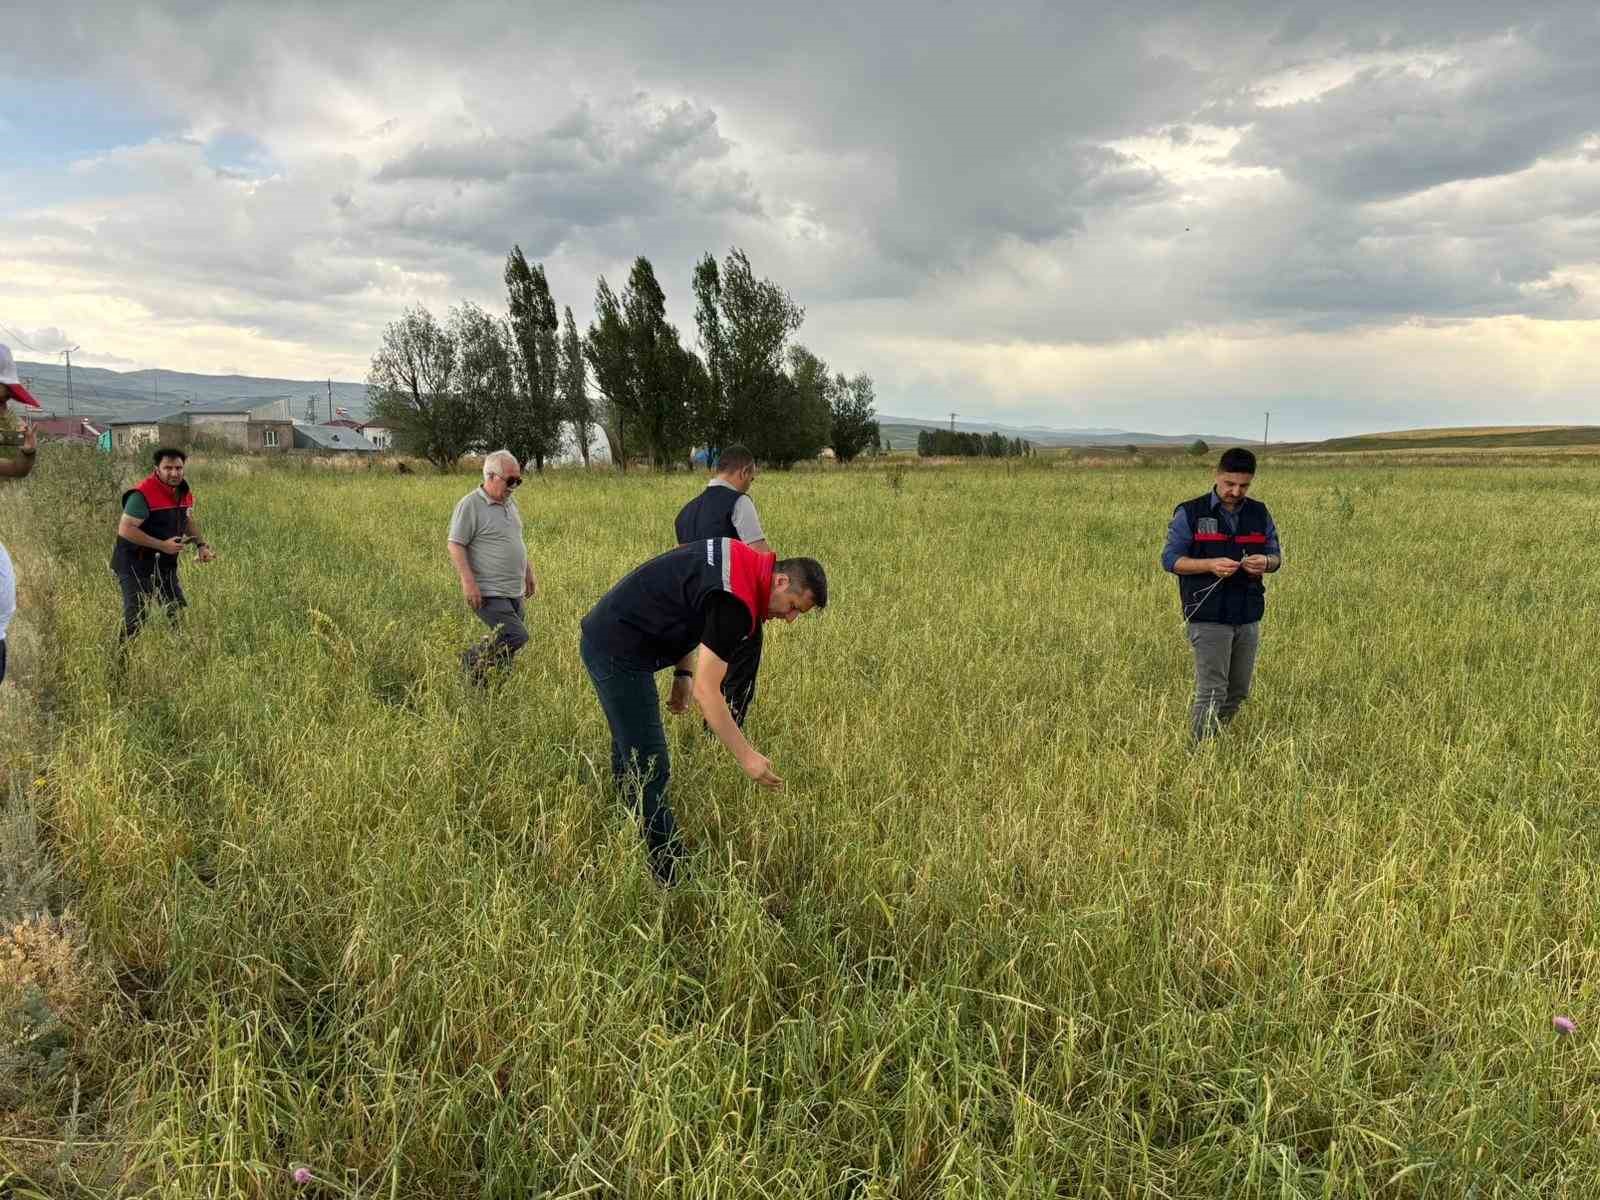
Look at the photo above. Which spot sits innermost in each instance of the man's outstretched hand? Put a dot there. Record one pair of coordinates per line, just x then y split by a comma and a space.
759, 768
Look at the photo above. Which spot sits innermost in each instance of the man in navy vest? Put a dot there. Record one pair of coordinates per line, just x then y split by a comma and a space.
157, 519
1220, 545
724, 509
687, 609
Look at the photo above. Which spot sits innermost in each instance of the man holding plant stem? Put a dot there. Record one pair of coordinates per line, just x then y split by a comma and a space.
1220, 545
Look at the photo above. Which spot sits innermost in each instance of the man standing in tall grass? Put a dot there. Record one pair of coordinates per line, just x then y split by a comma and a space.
11, 389
491, 560
687, 609
157, 518
724, 509
1220, 545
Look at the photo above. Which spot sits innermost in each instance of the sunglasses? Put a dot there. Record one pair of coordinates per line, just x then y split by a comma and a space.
512, 481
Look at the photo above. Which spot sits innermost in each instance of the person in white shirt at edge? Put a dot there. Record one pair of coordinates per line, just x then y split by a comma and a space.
488, 553
16, 468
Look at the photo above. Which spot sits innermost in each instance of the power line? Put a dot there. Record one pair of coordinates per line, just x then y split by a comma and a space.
12, 333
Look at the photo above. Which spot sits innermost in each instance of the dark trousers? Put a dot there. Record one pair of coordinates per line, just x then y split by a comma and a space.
504, 617
739, 684
2, 660
156, 584
640, 766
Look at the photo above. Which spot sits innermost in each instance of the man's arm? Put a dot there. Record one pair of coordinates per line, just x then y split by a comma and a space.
1222, 567
708, 694
1272, 558
530, 581
747, 524
463, 525
22, 464
469, 584
682, 683
203, 550
1174, 559
128, 527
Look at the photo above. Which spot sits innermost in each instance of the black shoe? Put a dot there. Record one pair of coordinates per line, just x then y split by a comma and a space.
668, 866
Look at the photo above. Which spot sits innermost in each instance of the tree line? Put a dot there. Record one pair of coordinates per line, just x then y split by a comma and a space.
948, 443
477, 381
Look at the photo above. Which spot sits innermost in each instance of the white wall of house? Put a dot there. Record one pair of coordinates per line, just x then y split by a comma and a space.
131, 437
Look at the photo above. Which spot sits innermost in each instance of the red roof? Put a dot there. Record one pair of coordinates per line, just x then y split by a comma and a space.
65, 427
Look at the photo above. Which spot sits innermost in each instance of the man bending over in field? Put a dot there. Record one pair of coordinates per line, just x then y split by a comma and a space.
157, 519
491, 560
1219, 545
710, 596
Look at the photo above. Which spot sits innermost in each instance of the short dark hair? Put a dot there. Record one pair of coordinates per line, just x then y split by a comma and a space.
165, 452
1237, 460
734, 458
805, 575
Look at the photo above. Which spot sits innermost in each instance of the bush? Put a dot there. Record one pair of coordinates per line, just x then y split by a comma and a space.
75, 492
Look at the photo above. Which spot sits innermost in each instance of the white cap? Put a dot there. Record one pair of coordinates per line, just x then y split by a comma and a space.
8, 378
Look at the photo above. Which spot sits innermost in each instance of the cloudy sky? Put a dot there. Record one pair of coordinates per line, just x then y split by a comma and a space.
1165, 216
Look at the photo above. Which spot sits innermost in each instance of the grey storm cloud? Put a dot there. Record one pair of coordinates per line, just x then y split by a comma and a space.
1392, 131
955, 171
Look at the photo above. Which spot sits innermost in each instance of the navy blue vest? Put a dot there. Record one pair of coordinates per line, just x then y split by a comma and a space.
709, 515
655, 614
1240, 599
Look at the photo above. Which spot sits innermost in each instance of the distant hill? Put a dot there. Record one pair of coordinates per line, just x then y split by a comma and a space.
98, 392
902, 434
1463, 437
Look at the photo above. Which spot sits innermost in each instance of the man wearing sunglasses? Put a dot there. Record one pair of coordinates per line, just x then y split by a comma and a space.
489, 556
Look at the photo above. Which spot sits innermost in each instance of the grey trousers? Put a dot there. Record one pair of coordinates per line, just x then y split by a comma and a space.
1224, 661
503, 615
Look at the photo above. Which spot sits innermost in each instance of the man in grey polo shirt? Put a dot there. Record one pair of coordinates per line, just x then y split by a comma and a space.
488, 553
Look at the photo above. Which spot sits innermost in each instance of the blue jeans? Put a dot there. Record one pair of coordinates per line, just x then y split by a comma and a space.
640, 766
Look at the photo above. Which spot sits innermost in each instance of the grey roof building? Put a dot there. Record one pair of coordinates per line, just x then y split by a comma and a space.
331, 438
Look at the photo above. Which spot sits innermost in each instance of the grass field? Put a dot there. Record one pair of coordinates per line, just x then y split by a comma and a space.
1005, 933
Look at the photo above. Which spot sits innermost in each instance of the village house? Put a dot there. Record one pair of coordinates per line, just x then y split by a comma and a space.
256, 425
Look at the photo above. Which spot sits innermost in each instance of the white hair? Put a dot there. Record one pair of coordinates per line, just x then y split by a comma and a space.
496, 462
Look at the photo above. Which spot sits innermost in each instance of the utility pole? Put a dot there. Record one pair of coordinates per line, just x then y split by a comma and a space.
330, 397
68, 355
952, 422
155, 384
1265, 427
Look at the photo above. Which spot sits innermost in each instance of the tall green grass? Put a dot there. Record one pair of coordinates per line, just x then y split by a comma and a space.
1005, 933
